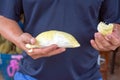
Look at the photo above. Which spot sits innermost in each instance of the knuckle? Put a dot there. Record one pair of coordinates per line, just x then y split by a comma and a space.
113, 48
43, 52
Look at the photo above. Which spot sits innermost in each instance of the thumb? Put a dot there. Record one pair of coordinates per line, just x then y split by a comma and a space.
27, 38
32, 40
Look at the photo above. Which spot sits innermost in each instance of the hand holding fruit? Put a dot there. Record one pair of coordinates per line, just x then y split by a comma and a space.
107, 38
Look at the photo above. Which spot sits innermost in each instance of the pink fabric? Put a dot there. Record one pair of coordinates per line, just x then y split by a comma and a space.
14, 65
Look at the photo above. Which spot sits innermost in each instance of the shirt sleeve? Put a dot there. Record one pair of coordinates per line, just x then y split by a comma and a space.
11, 9
110, 11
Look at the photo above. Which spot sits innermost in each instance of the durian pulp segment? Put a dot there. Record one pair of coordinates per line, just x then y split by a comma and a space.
67, 39
62, 39
32, 46
104, 28
45, 38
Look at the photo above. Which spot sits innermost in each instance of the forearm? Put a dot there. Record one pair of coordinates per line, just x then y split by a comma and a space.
10, 29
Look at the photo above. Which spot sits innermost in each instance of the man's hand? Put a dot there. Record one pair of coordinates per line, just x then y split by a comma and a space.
26, 38
107, 42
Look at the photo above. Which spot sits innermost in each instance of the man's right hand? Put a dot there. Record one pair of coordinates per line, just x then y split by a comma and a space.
26, 38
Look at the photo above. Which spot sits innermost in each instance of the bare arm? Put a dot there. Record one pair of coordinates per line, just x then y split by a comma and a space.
11, 31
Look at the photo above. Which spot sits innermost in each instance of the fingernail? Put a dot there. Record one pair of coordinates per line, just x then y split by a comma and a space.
96, 35
106, 38
32, 40
30, 50
63, 49
109, 37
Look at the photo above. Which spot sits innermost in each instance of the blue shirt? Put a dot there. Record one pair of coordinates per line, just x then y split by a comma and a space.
77, 17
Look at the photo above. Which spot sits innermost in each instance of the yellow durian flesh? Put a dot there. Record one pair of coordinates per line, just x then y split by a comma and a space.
104, 28
60, 38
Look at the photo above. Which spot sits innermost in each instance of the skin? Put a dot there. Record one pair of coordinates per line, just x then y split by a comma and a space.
13, 33
108, 42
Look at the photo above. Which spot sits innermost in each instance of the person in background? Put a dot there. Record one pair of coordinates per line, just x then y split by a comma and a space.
77, 17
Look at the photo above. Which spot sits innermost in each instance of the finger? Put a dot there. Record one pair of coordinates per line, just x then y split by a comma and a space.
26, 38
49, 49
34, 53
115, 36
56, 52
32, 40
101, 42
41, 51
94, 45
23, 46
113, 40
40, 54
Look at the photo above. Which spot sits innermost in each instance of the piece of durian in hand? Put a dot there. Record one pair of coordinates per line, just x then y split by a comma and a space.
105, 29
60, 38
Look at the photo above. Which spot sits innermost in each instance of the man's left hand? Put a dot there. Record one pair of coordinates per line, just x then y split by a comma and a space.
107, 42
